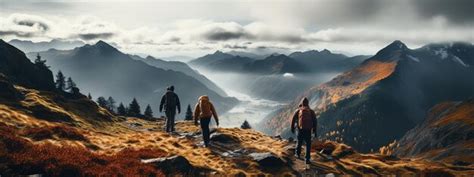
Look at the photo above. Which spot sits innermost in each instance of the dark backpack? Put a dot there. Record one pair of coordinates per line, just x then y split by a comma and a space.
305, 118
170, 101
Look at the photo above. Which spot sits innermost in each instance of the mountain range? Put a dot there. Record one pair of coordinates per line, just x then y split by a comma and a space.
29, 46
298, 62
103, 70
46, 131
180, 67
387, 95
277, 77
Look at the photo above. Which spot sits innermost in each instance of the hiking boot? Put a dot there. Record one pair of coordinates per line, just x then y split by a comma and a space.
298, 156
307, 161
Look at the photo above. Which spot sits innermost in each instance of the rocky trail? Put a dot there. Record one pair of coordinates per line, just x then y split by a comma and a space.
247, 152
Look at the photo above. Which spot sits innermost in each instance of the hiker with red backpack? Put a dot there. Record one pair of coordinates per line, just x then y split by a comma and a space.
305, 120
203, 111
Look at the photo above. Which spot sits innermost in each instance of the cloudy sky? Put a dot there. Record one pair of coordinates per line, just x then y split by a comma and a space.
196, 27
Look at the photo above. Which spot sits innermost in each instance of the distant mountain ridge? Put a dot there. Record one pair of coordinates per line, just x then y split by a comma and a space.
29, 46
180, 67
298, 62
105, 71
277, 77
388, 94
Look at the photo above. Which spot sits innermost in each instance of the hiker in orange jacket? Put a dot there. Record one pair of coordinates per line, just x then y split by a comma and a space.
203, 111
305, 120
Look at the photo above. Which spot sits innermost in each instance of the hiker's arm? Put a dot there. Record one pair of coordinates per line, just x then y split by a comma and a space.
214, 113
197, 111
162, 102
178, 104
315, 124
293, 121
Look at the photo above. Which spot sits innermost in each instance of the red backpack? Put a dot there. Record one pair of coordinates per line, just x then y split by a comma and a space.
305, 118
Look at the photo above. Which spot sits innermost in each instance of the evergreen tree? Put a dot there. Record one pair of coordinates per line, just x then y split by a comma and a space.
148, 112
40, 62
89, 96
121, 110
189, 113
111, 104
102, 102
70, 84
60, 81
245, 125
134, 108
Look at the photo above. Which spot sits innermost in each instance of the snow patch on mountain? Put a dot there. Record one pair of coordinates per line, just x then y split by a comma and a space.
458, 60
288, 75
442, 53
413, 58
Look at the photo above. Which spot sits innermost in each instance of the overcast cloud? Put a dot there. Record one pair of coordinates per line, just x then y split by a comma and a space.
195, 27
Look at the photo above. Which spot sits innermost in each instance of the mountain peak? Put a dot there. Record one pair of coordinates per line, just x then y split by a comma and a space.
218, 52
149, 57
101, 43
326, 51
397, 44
391, 51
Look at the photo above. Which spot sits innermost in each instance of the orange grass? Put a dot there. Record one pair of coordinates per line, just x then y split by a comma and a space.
18, 156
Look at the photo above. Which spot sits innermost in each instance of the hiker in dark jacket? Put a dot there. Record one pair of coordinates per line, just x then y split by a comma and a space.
305, 120
203, 111
170, 102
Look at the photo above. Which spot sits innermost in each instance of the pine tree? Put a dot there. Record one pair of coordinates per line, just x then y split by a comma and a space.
70, 84
189, 113
111, 104
148, 112
102, 102
89, 96
245, 125
60, 81
134, 108
40, 62
121, 110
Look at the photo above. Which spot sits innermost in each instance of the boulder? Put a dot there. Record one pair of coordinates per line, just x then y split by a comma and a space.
268, 160
177, 165
171, 164
224, 138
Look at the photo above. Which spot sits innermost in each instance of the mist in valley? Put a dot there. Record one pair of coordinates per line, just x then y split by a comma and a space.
260, 95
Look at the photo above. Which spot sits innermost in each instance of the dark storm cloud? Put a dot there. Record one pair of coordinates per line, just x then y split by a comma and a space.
221, 34
235, 46
456, 11
31, 23
21, 25
92, 36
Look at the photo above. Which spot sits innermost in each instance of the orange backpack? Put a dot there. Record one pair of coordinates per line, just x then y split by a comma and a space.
205, 107
305, 118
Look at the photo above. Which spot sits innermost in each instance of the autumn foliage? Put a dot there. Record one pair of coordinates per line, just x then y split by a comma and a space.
18, 156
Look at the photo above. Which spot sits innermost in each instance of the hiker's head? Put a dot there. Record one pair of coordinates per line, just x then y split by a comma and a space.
204, 98
170, 88
304, 102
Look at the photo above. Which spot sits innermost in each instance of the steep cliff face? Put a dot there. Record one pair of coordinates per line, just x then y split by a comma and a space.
18, 68
387, 95
446, 134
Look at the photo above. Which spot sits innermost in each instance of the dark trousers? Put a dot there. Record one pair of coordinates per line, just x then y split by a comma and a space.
304, 135
205, 129
170, 121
